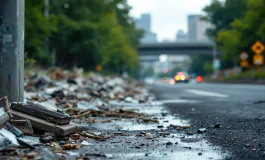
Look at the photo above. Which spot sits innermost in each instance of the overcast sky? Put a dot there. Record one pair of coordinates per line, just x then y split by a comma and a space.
168, 16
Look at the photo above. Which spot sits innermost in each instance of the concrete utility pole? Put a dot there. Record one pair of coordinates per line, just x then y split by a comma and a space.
12, 49
46, 14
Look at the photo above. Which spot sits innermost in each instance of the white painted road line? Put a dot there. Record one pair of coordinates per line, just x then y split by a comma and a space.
206, 93
175, 101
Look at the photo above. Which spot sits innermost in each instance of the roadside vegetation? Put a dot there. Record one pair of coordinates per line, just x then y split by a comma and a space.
248, 75
81, 34
237, 25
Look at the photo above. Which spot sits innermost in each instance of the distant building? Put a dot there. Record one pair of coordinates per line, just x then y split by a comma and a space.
144, 23
149, 37
181, 36
197, 28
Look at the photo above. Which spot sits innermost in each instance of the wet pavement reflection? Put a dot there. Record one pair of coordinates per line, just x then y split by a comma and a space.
169, 140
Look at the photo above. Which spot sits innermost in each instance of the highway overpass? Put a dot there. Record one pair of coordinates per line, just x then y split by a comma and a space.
177, 48
149, 58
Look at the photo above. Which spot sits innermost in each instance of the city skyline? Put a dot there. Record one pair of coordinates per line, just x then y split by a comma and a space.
144, 23
168, 16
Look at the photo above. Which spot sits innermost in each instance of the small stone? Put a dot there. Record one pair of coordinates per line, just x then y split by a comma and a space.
189, 133
160, 126
179, 128
146, 154
200, 154
138, 135
254, 149
176, 143
166, 133
154, 120
201, 130
217, 125
75, 136
247, 145
118, 127
106, 121
143, 132
148, 136
70, 146
169, 143
47, 139
138, 147
118, 133
62, 143
31, 154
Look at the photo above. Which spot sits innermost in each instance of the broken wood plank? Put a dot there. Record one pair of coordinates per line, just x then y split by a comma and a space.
60, 130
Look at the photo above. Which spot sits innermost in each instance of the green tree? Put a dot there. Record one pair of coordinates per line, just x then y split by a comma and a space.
198, 62
221, 14
208, 68
244, 32
37, 27
84, 34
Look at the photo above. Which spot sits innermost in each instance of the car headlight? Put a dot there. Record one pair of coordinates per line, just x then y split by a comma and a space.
182, 77
177, 78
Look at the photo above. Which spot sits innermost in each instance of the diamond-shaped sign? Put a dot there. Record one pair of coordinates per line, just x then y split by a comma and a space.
258, 47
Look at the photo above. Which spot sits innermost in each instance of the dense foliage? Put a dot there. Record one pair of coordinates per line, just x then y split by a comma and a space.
83, 33
238, 24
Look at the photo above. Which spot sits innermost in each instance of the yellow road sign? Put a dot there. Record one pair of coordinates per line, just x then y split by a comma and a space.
258, 60
244, 64
99, 68
258, 47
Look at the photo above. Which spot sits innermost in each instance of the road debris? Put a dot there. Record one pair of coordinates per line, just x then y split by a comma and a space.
201, 130
71, 146
65, 114
217, 125
149, 136
75, 136
24, 126
169, 143
150, 120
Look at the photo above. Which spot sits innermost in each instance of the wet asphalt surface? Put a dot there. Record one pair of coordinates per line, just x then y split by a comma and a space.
167, 143
239, 109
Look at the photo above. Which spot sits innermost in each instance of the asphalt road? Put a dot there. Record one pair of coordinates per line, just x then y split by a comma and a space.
240, 109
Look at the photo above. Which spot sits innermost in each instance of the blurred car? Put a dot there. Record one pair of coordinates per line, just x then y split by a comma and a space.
149, 80
182, 77
194, 78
